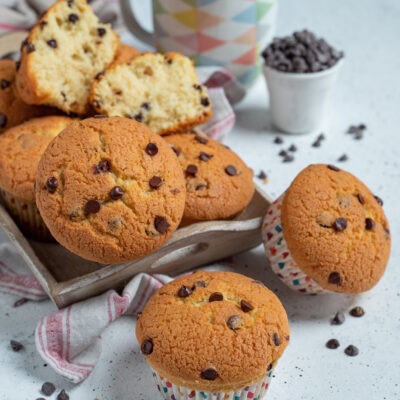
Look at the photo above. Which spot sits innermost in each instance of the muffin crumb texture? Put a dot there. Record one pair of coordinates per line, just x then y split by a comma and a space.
213, 331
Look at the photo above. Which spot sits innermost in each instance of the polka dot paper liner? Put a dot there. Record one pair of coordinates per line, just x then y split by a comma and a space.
169, 391
279, 257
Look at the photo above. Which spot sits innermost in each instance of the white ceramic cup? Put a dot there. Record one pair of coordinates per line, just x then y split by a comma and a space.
298, 102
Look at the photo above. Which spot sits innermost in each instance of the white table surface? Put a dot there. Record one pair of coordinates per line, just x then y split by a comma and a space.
368, 91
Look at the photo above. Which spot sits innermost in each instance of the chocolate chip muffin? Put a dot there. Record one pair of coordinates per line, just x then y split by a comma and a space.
213, 332
160, 91
328, 232
219, 185
62, 55
110, 190
13, 110
20, 150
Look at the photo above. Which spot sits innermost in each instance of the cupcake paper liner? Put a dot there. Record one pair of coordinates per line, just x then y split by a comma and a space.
27, 217
279, 256
169, 391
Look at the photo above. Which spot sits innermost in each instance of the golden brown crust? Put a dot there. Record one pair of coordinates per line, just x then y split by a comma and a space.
89, 159
13, 110
211, 193
124, 54
20, 150
191, 334
315, 199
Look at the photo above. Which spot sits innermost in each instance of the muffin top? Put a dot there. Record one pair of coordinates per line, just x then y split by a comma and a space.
336, 229
20, 150
213, 331
110, 190
218, 183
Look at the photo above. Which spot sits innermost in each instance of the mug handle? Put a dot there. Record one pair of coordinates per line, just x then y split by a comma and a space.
132, 23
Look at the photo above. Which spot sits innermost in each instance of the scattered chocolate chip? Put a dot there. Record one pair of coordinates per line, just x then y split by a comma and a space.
5, 83
269, 367
99, 74
191, 169
217, 296
332, 344
333, 168
101, 32
334, 278
161, 224
63, 395
288, 158
205, 101
338, 319
317, 142
145, 105
234, 322
73, 18
369, 224
201, 186
262, 175
198, 87
209, 374
278, 140
92, 207
231, 170
52, 184
151, 149
283, 153
199, 284
246, 306
175, 150
204, 156
360, 198
147, 347
155, 182
201, 139
48, 388
138, 117
3, 120
379, 200
116, 192
175, 191
359, 135
184, 291
52, 43
20, 302
351, 351
340, 224
30, 48
102, 167
277, 339
292, 148
343, 157
357, 312
16, 346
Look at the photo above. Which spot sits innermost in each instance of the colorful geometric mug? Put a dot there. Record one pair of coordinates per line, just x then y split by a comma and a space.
229, 33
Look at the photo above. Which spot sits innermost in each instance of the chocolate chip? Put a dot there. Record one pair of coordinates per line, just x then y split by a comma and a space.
357, 312
293, 148
351, 351
246, 306
175, 150
5, 83
379, 200
338, 319
334, 278
161, 224
138, 117
277, 339
63, 395
205, 156
262, 175
155, 182
52, 184
197, 87
73, 18
360, 198
205, 101
191, 169
234, 322
278, 140
333, 168
99, 74
209, 374
199, 284
101, 32
116, 192
269, 367
3, 120
201, 186
343, 157
30, 48
20, 302
16, 346
201, 139
92, 207
52, 43
102, 167
145, 105
48, 388
283, 153
184, 291
288, 158
340, 224
175, 191
146, 347
151, 149
318, 141
217, 296
230, 170
369, 224
332, 344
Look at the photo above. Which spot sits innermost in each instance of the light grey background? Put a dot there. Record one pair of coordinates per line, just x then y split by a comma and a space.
368, 91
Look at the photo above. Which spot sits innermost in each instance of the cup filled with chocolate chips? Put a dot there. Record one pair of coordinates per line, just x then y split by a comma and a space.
300, 71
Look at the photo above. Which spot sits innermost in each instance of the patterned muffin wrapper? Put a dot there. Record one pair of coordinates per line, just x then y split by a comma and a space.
279, 256
27, 217
169, 391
